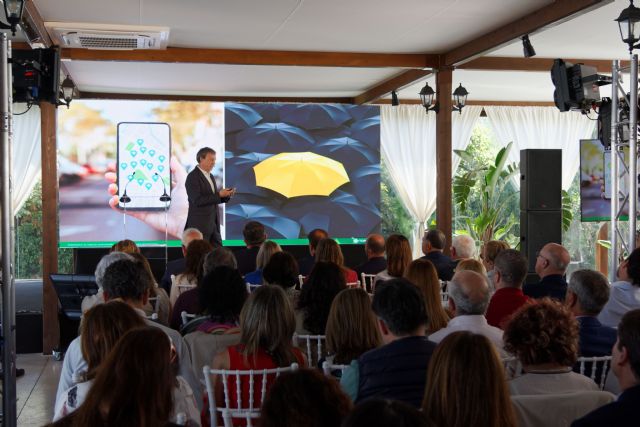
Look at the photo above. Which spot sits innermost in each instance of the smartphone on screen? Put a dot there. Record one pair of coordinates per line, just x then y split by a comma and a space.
143, 151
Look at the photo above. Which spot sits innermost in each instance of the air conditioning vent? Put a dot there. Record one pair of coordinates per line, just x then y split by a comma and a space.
112, 37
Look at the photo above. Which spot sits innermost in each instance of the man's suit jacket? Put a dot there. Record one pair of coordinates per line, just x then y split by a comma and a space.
203, 206
553, 286
621, 413
371, 266
443, 264
595, 339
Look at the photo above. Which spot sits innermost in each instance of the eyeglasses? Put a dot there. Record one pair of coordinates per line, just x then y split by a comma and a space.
538, 254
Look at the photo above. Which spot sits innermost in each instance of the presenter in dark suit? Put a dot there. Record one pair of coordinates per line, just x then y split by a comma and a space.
204, 197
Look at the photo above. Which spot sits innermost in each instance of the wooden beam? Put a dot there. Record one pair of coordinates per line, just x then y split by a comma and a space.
479, 102
256, 57
50, 329
159, 97
395, 83
444, 153
33, 25
498, 63
556, 13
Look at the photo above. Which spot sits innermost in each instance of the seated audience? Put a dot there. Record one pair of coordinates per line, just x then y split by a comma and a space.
544, 338
625, 293
267, 249
325, 282
466, 384
472, 265
160, 305
98, 298
551, 265
462, 247
127, 246
352, 328
222, 294
267, 324
304, 398
422, 273
328, 250
433, 244
375, 263
398, 369
384, 413
306, 264
128, 281
282, 270
510, 270
468, 300
625, 365
398, 258
101, 328
196, 251
488, 254
587, 293
119, 398
177, 266
254, 235
188, 301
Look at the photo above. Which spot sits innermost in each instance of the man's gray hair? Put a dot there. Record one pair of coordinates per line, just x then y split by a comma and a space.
464, 245
464, 305
219, 257
591, 288
106, 261
189, 235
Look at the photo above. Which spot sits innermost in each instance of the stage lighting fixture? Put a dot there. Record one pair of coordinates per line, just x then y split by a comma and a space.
394, 99
427, 99
629, 23
527, 47
459, 98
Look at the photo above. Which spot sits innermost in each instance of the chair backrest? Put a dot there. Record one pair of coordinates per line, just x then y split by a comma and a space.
252, 287
595, 368
184, 288
367, 281
232, 385
329, 368
301, 280
355, 284
444, 296
512, 367
186, 317
311, 342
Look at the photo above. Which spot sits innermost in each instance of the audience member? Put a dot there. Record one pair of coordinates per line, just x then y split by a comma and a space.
544, 338
352, 328
282, 270
466, 384
98, 298
268, 248
306, 264
133, 386
468, 300
625, 293
463, 246
126, 280
488, 254
587, 293
398, 258
472, 265
375, 263
625, 365
196, 252
398, 369
177, 266
328, 250
385, 413
422, 273
222, 294
127, 246
158, 299
101, 328
510, 270
188, 301
325, 282
304, 398
433, 244
551, 265
254, 235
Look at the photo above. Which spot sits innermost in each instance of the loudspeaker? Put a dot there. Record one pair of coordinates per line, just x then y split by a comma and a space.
537, 228
540, 179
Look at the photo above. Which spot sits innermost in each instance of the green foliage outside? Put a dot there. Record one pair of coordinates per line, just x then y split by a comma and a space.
395, 219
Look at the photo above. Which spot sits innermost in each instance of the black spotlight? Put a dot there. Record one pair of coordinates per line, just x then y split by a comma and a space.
394, 99
529, 51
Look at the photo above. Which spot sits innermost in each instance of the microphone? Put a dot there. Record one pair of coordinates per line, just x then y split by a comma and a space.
165, 197
124, 199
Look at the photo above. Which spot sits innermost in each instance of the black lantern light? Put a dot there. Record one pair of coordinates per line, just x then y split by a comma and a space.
629, 23
427, 99
459, 98
13, 13
394, 99
67, 89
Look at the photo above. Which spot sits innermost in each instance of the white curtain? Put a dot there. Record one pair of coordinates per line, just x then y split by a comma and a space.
25, 154
542, 127
408, 144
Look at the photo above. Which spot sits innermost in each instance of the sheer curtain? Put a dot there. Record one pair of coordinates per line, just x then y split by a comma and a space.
25, 155
542, 127
408, 144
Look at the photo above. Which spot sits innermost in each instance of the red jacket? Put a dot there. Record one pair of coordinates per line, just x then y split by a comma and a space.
502, 305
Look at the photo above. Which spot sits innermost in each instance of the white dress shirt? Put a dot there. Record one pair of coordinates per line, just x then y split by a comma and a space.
623, 297
207, 175
474, 323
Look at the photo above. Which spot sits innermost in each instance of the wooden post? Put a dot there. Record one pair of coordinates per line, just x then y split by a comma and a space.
444, 154
50, 328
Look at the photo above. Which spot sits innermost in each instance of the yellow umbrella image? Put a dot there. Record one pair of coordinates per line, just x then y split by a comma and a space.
300, 174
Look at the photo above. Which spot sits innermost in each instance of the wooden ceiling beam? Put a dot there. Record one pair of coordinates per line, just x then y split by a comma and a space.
159, 97
496, 63
256, 57
398, 82
478, 102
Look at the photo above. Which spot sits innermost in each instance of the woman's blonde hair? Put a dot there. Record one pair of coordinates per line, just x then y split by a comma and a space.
268, 322
398, 254
424, 275
268, 248
127, 246
466, 384
328, 250
471, 264
351, 328
492, 248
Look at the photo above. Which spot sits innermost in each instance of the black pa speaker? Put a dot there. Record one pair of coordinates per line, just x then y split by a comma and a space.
537, 228
540, 180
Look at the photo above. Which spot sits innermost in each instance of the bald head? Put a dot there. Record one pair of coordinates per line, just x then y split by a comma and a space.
469, 293
552, 259
374, 246
463, 246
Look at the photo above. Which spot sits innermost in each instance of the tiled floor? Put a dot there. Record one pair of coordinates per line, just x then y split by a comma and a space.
36, 390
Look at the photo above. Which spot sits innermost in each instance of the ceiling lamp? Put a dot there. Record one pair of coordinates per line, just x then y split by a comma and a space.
67, 88
459, 98
427, 99
394, 99
13, 13
629, 23
527, 47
